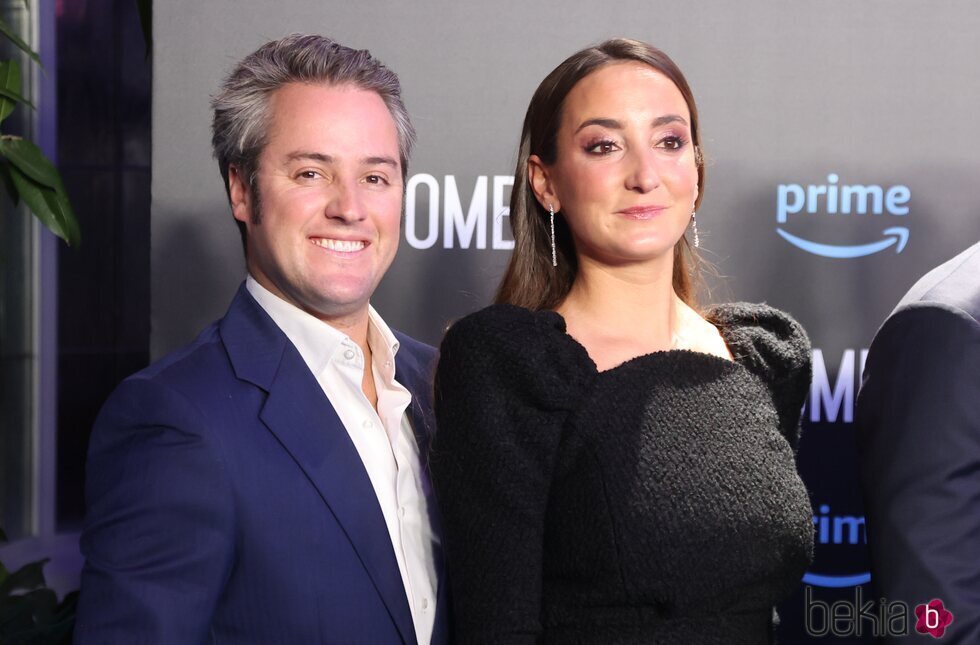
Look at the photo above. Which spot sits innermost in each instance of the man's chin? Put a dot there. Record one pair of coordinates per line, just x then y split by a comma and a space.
337, 306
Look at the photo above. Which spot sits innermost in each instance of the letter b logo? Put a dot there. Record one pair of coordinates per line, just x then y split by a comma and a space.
933, 618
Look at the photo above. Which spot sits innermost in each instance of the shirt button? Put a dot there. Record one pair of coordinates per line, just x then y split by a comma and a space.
387, 363
425, 603
349, 354
401, 511
367, 423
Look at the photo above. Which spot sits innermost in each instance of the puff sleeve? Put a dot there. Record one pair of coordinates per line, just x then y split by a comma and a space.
776, 348
506, 381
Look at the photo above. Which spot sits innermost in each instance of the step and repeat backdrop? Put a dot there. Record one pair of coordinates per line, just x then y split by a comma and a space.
843, 150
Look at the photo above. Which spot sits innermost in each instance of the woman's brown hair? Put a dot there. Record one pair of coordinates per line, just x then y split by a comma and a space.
530, 280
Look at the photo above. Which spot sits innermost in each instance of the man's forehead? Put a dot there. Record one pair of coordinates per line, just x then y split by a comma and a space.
301, 155
329, 97
330, 121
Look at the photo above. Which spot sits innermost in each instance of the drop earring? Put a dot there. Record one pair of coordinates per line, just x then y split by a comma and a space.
554, 251
694, 227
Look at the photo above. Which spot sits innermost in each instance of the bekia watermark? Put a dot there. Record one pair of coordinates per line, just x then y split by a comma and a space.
933, 618
860, 616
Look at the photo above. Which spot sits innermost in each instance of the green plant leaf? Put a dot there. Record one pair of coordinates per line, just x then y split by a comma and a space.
28, 158
9, 82
15, 39
8, 184
14, 96
28, 577
50, 205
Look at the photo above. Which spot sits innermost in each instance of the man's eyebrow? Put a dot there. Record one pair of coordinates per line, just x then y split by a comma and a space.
613, 124
375, 161
302, 155
306, 155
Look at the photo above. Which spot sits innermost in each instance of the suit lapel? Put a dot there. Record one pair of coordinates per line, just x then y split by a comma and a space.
300, 416
415, 373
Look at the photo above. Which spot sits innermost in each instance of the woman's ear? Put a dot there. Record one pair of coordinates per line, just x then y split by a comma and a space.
541, 183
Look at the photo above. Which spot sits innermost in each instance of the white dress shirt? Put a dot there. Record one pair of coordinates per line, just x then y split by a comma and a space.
383, 437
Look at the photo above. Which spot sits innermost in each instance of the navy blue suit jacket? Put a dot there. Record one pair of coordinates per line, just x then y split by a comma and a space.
227, 503
918, 425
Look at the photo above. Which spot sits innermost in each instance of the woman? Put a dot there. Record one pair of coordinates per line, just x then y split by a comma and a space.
612, 465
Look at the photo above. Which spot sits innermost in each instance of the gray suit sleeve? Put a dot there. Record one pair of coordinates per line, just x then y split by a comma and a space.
918, 424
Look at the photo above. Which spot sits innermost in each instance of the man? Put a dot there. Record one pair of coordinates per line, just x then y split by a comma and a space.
267, 483
918, 423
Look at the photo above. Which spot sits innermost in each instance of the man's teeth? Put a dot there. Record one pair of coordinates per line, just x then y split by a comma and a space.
344, 246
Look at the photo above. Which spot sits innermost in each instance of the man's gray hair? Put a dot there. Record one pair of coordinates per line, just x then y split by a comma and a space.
241, 107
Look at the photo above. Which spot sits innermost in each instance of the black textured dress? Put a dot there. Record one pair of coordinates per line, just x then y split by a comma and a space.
655, 502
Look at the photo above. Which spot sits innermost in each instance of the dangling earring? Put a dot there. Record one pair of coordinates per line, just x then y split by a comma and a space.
554, 252
694, 226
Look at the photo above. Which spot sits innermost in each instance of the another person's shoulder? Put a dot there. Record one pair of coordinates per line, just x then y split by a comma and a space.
943, 304
765, 339
953, 286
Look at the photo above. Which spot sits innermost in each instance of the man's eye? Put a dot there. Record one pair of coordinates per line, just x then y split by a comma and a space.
376, 179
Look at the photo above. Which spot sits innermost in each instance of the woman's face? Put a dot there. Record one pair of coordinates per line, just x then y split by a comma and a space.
625, 176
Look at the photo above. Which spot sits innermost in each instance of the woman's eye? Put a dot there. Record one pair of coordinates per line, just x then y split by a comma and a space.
672, 143
603, 147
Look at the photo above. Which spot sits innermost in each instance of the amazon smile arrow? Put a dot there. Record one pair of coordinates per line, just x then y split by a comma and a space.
897, 235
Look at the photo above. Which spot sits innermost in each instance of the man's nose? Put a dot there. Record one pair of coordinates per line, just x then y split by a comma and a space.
344, 202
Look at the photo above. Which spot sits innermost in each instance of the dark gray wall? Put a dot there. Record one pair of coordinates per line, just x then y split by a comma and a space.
878, 92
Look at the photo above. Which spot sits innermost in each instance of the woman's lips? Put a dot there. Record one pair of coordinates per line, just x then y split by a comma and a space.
642, 212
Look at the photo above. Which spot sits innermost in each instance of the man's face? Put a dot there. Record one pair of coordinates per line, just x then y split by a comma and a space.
330, 185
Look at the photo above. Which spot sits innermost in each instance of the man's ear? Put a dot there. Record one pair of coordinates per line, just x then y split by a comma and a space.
540, 179
240, 194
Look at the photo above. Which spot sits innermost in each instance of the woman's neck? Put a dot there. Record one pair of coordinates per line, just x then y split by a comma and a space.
635, 303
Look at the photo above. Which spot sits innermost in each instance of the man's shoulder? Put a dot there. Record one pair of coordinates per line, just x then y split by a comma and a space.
942, 307
415, 357
194, 372
414, 346
953, 286
243, 345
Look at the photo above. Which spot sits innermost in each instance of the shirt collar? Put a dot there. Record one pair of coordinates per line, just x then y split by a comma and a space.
315, 340
380, 335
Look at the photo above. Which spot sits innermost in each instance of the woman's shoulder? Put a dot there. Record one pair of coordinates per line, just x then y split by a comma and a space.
524, 348
510, 328
773, 345
763, 338
509, 319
